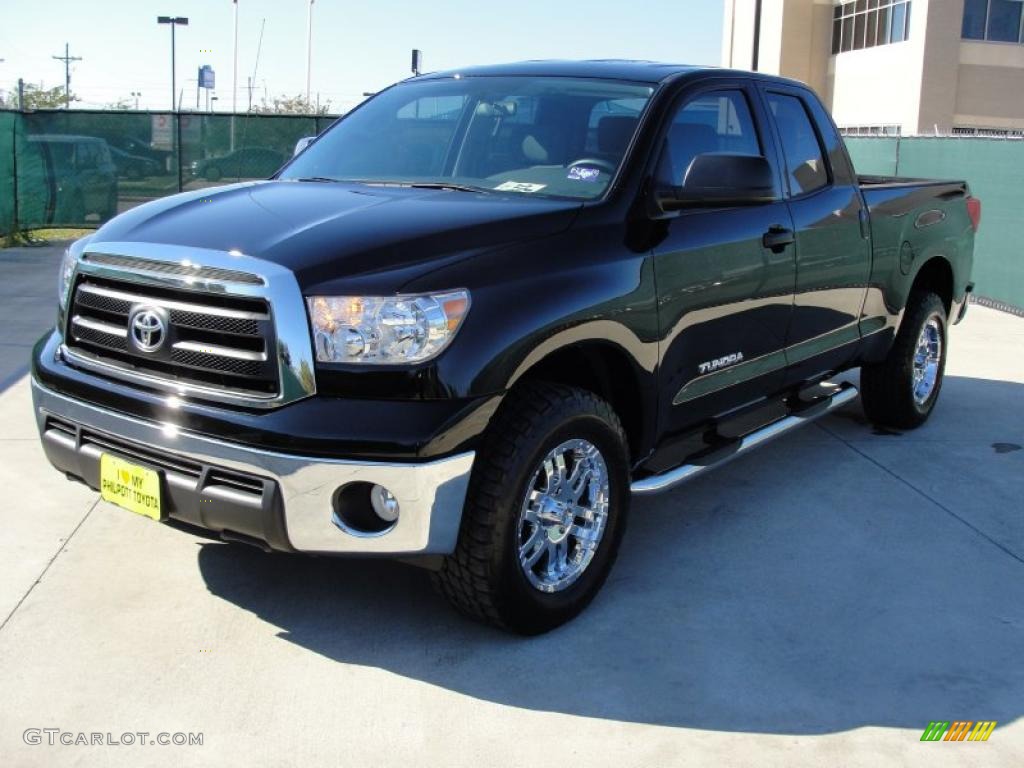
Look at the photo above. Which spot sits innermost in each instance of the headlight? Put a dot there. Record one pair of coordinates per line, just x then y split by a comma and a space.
67, 269
385, 330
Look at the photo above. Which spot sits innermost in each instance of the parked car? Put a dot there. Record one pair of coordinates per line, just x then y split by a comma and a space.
140, 148
134, 166
80, 177
245, 163
462, 329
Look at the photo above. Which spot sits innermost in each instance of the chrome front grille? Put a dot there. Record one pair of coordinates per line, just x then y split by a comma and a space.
212, 339
235, 328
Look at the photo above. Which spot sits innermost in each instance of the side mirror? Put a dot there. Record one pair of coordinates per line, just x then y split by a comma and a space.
718, 179
302, 143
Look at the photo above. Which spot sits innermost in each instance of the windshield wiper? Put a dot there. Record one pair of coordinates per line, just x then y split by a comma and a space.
321, 179
446, 185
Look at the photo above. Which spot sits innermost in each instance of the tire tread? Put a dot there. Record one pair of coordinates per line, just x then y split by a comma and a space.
465, 577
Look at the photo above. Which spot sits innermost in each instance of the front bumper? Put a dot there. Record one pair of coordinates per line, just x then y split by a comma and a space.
241, 491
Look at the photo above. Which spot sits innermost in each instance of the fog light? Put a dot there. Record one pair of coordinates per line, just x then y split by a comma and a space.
365, 509
384, 503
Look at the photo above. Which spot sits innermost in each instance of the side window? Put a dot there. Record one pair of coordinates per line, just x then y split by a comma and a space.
712, 122
805, 164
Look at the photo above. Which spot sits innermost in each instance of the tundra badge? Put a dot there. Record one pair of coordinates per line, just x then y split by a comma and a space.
722, 362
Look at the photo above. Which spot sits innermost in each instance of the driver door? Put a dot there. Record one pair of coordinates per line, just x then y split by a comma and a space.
725, 299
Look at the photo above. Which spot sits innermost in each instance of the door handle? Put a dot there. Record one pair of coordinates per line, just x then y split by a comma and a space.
777, 238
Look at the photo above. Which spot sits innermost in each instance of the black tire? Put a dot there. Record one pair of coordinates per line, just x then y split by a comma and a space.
483, 577
887, 388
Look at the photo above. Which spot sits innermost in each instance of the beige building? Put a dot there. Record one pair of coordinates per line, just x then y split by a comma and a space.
892, 66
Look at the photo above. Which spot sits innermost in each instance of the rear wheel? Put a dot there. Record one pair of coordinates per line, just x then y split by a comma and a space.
545, 511
901, 391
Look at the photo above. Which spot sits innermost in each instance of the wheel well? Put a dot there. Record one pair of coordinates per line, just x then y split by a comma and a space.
936, 275
608, 372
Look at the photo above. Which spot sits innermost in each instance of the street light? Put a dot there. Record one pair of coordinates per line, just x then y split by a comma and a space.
174, 21
137, 95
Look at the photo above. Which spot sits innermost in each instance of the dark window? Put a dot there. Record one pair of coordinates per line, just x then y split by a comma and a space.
996, 20
713, 122
975, 12
883, 25
858, 24
805, 164
872, 35
859, 28
847, 44
1004, 21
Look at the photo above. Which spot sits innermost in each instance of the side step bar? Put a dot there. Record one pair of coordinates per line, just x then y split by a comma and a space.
720, 456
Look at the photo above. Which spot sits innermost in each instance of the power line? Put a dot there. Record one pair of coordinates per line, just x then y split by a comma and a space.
67, 58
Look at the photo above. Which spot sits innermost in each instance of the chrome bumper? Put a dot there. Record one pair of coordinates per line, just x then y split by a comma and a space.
430, 494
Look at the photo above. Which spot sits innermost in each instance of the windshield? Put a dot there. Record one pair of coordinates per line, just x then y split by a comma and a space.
540, 136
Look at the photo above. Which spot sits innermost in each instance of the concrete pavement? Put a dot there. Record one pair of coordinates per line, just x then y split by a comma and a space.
26, 303
818, 602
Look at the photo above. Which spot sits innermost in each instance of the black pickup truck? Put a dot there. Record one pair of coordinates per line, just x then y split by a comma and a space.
466, 323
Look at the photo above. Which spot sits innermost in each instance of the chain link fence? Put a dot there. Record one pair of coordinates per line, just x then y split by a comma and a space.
78, 168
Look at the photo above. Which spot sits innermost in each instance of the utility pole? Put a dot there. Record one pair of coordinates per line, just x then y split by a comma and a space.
21, 94
234, 80
67, 58
309, 48
173, 21
756, 54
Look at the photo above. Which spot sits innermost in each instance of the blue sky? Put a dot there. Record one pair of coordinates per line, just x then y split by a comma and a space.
357, 46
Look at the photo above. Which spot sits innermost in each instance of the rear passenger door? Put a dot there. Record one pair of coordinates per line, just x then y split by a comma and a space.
833, 252
724, 298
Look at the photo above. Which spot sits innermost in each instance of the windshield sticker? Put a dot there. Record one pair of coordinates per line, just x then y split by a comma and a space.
519, 186
580, 173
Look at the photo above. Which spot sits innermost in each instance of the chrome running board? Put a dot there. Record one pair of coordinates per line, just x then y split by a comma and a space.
717, 457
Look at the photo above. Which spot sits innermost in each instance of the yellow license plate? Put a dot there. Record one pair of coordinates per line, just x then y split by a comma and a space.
130, 486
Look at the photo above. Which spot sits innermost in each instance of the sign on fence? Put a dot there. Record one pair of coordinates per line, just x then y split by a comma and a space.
163, 131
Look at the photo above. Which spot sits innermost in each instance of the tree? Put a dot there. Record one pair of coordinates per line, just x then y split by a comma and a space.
44, 98
293, 105
123, 103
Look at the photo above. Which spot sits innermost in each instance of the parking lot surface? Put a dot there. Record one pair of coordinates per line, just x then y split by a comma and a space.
818, 602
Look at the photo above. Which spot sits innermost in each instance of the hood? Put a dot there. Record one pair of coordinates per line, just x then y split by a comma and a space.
337, 236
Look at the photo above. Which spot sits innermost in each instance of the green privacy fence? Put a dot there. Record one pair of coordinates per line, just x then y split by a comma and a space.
994, 168
72, 168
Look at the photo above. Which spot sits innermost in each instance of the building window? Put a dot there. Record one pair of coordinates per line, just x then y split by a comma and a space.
860, 24
1000, 21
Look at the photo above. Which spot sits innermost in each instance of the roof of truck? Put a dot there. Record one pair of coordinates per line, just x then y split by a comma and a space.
633, 70
612, 69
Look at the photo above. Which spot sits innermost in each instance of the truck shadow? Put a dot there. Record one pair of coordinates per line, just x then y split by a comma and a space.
802, 590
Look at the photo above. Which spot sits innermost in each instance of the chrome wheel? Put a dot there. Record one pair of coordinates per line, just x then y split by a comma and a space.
927, 360
563, 516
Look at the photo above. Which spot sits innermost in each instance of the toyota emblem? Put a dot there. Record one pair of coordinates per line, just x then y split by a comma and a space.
148, 330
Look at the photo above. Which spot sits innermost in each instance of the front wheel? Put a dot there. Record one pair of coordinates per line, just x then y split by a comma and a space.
901, 391
545, 511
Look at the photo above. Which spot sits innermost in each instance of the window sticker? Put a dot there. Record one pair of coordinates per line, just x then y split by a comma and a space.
582, 173
519, 186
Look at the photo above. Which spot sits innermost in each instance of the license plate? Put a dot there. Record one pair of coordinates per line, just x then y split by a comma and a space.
130, 486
